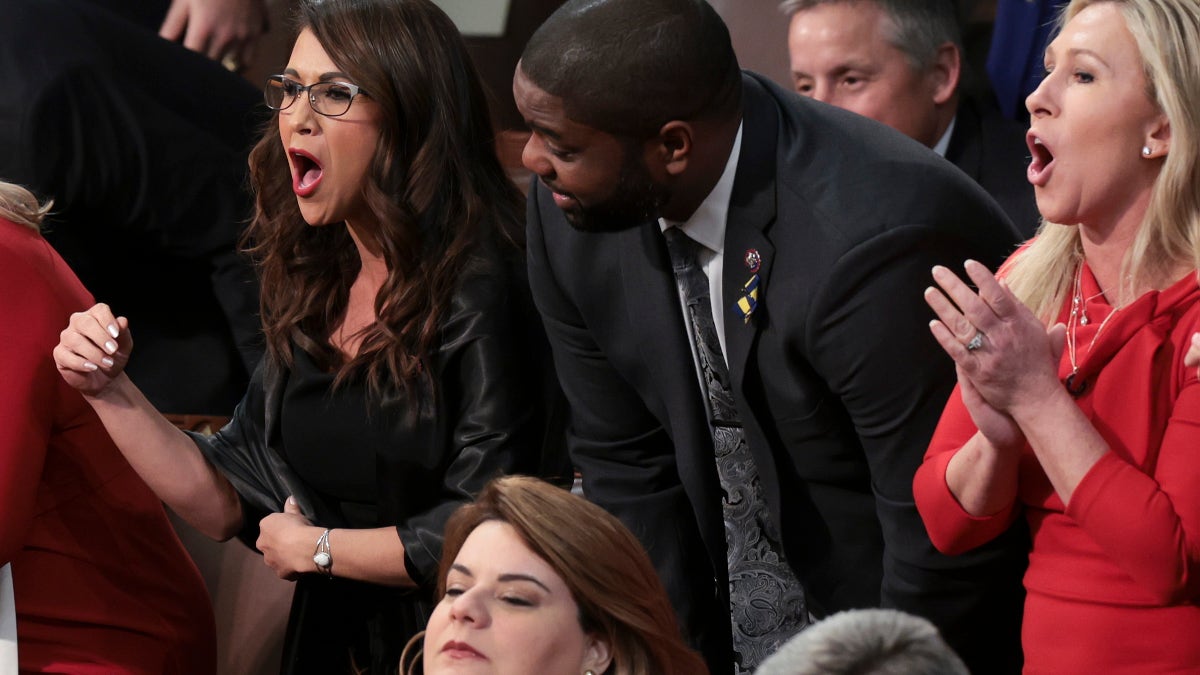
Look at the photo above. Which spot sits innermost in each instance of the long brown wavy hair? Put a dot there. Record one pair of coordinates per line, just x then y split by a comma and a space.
621, 599
435, 186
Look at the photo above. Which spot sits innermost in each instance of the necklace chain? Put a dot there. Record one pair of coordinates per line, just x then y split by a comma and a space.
1078, 317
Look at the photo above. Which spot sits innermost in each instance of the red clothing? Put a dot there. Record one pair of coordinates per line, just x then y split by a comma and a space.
102, 583
1114, 577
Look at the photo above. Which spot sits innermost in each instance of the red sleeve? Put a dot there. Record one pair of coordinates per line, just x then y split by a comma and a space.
1150, 524
951, 529
28, 381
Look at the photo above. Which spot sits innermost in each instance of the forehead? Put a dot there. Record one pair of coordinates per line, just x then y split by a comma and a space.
1101, 29
841, 30
309, 56
546, 115
495, 548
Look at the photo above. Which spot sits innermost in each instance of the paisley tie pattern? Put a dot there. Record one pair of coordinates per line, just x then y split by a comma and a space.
766, 600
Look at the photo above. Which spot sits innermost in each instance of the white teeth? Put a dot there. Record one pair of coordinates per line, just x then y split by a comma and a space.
1037, 141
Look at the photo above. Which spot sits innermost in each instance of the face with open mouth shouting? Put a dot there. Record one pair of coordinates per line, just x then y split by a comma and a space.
1090, 119
329, 157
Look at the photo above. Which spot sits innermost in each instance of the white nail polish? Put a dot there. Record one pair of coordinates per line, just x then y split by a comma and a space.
110, 347
112, 330
108, 363
90, 366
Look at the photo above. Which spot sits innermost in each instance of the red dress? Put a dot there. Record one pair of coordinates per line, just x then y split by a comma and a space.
1114, 577
102, 583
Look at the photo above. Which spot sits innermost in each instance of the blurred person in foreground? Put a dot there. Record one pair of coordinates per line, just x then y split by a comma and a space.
866, 642
101, 582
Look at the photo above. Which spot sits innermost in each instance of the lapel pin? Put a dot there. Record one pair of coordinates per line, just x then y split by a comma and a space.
746, 304
753, 260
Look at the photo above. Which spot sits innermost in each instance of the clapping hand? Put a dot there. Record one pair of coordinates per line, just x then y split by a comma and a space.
1004, 355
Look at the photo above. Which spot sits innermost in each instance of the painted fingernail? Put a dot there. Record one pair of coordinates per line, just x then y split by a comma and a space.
90, 366
112, 330
110, 347
108, 363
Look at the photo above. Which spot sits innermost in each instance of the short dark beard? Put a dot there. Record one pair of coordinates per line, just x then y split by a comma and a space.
635, 200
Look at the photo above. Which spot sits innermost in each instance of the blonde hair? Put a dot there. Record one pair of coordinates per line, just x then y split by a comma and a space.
1166, 32
20, 206
621, 599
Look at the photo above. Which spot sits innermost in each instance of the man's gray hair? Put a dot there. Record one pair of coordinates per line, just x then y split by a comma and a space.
866, 642
919, 27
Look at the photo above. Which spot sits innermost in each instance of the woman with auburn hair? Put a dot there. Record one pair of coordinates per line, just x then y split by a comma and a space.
535, 579
1074, 408
401, 371
101, 582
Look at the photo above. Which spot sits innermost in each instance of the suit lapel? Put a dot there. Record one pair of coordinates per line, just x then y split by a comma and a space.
751, 211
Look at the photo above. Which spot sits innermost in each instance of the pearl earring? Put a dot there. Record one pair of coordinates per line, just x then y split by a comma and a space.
1145, 151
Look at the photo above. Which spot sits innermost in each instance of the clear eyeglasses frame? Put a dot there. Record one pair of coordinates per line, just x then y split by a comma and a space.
331, 99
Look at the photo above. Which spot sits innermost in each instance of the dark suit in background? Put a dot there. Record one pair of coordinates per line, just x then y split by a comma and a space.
836, 377
991, 149
142, 144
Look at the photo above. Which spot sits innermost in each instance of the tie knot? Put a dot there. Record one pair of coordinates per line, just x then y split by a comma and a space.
684, 251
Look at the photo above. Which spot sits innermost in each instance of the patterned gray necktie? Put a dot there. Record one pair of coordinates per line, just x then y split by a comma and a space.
766, 600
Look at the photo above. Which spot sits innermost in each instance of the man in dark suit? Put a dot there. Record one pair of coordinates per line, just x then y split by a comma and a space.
818, 230
900, 62
142, 145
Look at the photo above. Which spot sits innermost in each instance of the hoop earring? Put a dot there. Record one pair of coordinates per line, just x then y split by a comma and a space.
1145, 151
589, 672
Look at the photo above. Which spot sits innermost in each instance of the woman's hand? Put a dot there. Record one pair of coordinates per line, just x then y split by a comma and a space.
93, 349
1000, 430
998, 345
287, 541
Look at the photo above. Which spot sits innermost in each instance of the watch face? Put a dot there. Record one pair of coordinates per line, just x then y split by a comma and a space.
322, 559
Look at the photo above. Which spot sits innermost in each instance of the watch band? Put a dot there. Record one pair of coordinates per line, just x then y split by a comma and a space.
323, 557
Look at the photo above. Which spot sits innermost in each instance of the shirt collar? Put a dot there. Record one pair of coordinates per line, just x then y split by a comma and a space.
943, 143
707, 224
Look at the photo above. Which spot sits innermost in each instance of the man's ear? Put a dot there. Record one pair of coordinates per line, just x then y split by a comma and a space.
672, 147
598, 655
946, 72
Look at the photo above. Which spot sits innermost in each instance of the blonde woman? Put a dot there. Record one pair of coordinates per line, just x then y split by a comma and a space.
101, 582
1087, 429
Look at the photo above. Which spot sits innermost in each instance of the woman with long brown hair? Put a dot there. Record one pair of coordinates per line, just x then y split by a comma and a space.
398, 377
535, 579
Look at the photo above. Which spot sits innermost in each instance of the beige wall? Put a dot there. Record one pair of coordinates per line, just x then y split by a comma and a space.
759, 33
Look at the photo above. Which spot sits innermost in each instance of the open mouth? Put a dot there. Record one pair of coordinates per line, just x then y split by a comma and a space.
306, 172
1041, 160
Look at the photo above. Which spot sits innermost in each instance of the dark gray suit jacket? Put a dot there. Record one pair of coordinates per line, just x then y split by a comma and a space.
837, 379
991, 149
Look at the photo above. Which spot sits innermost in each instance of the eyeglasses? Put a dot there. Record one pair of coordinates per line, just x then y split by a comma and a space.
331, 99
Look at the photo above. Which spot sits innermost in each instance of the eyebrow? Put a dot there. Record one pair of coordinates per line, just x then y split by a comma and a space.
543, 130
513, 576
324, 77
1081, 51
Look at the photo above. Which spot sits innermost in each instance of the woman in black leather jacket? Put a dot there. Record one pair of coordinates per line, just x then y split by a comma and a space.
402, 369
